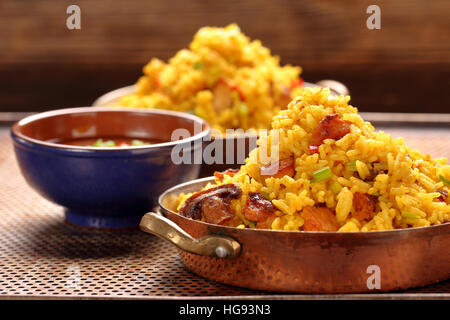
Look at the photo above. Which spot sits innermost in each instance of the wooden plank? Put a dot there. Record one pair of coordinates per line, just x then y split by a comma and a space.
317, 33
37, 87
404, 67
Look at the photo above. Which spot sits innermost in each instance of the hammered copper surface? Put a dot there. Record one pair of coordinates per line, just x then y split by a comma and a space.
40, 255
321, 262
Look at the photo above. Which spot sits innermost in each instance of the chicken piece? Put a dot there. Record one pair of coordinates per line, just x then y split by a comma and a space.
364, 206
220, 175
222, 99
215, 210
319, 219
259, 209
217, 202
331, 127
285, 167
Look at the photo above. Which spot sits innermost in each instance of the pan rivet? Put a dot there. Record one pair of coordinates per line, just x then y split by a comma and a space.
221, 252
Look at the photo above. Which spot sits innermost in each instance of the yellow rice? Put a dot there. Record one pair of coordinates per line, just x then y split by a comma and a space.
406, 191
186, 82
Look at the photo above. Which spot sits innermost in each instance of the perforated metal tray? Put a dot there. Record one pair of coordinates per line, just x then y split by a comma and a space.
42, 256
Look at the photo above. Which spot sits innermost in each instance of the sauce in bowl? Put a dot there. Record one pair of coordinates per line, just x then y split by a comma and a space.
108, 142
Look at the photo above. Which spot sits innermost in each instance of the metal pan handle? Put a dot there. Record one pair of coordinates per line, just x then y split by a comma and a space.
211, 246
335, 86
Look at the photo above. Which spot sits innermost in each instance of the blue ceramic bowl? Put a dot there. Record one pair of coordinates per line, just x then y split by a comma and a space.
105, 187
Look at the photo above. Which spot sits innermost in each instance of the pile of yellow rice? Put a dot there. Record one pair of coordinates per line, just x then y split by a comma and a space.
261, 87
406, 191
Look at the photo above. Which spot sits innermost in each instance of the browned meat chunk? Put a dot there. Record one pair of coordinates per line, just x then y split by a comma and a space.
259, 209
222, 99
364, 206
285, 167
216, 210
331, 127
212, 204
444, 195
220, 175
319, 219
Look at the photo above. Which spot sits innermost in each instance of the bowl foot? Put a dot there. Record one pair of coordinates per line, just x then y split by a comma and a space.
101, 221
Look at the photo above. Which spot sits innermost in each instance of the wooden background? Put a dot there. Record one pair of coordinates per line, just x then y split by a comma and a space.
404, 67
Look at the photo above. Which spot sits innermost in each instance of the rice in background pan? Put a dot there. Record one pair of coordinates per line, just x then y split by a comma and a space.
224, 77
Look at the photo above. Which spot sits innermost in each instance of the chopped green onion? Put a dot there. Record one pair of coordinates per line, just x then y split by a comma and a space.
199, 65
266, 195
336, 187
98, 143
243, 110
322, 174
375, 194
200, 113
102, 144
351, 166
190, 112
409, 215
137, 143
109, 144
444, 180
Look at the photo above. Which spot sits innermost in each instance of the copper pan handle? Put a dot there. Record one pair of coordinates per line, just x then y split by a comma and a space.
211, 246
336, 86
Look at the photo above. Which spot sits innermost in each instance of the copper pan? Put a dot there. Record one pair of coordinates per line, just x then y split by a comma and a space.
306, 262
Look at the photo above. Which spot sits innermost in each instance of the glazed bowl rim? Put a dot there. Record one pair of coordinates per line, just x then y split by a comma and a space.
206, 130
